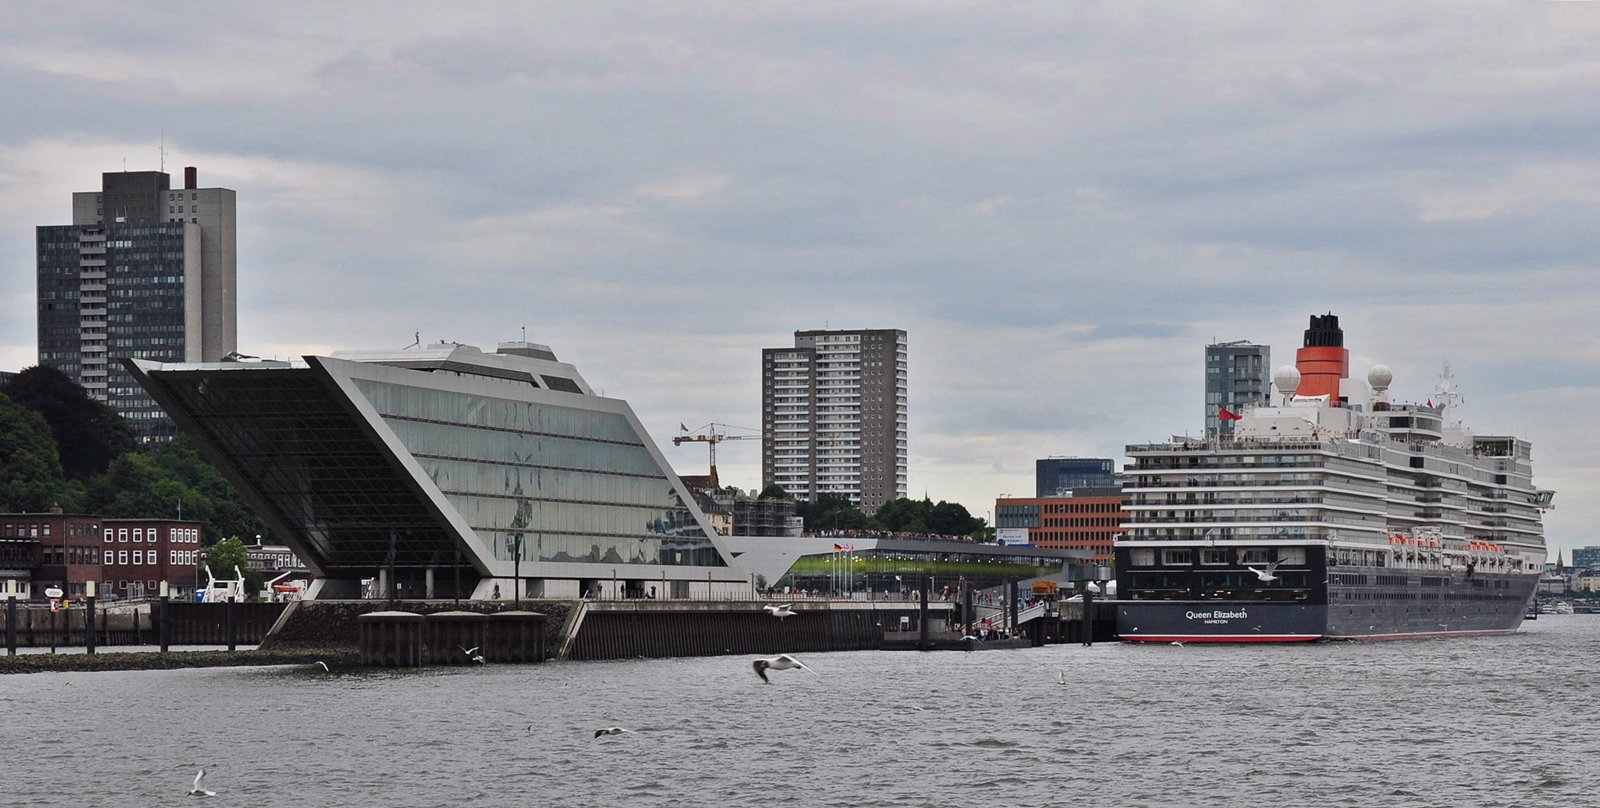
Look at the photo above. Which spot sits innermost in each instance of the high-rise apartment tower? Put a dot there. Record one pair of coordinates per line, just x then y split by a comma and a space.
144, 271
1238, 374
833, 415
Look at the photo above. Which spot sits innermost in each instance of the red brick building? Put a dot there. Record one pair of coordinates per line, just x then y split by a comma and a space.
128, 557
1077, 523
141, 553
66, 552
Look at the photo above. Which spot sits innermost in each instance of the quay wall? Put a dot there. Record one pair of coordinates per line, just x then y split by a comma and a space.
332, 624
140, 624
657, 629
594, 630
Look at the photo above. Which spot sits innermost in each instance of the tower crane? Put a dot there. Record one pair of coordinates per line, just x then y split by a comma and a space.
711, 435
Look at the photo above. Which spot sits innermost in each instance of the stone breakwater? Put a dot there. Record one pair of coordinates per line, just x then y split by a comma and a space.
151, 661
317, 624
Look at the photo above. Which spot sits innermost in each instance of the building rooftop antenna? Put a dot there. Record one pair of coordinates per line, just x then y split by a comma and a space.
163, 150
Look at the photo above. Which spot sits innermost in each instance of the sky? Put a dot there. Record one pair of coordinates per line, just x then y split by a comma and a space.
1061, 203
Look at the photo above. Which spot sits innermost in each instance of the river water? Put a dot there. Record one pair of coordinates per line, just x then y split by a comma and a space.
1482, 721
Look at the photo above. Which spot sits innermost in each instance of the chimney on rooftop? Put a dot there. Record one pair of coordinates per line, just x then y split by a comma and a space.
191, 178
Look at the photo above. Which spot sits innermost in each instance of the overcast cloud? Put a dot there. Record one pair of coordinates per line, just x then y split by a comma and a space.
1061, 203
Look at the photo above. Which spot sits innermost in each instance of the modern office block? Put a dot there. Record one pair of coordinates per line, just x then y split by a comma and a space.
145, 271
424, 467
833, 413
1238, 375
1075, 476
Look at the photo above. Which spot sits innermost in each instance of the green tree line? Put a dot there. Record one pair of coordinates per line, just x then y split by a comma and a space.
835, 512
61, 448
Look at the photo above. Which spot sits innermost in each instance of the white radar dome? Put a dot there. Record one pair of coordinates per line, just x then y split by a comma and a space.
1379, 377
1287, 379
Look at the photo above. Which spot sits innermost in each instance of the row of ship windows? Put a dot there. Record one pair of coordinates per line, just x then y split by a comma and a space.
1164, 463
1408, 596
1187, 556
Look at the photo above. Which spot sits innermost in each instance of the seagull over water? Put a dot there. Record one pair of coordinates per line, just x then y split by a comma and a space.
472, 653
781, 662
324, 666
780, 611
1267, 575
610, 731
197, 791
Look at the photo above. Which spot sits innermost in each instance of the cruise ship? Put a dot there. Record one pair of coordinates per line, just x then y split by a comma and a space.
1336, 514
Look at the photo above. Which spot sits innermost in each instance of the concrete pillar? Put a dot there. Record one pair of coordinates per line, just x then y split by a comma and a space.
427, 578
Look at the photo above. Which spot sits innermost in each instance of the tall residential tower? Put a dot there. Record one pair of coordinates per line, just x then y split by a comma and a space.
1238, 374
145, 271
833, 415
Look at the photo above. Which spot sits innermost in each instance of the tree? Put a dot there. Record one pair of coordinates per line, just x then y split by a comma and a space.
229, 554
31, 479
775, 491
923, 516
830, 512
135, 486
170, 481
88, 434
229, 515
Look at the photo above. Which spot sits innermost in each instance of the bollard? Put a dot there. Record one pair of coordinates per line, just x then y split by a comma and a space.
11, 619
88, 618
1088, 617
1011, 610
966, 610
164, 637
233, 645
922, 615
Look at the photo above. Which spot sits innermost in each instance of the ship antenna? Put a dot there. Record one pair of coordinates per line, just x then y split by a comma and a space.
1446, 391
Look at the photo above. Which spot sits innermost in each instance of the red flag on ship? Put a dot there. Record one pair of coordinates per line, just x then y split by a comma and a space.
1224, 414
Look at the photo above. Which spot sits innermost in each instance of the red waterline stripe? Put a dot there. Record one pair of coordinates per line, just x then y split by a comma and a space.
1221, 637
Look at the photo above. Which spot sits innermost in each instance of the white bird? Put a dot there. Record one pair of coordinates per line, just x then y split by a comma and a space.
1061, 677
1179, 644
1266, 575
780, 611
610, 731
472, 654
197, 791
781, 662
324, 666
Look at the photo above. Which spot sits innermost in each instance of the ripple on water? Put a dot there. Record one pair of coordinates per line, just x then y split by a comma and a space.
1428, 723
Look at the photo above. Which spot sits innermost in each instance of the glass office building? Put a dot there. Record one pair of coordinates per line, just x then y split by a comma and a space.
442, 461
1238, 375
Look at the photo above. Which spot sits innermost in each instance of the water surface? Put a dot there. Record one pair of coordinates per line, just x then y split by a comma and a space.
1483, 721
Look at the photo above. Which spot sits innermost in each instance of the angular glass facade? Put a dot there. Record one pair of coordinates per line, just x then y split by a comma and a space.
576, 485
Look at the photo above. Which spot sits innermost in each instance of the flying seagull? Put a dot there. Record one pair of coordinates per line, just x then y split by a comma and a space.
472, 653
324, 666
1061, 677
1179, 644
781, 662
1267, 575
779, 611
610, 731
197, 791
